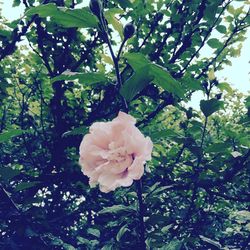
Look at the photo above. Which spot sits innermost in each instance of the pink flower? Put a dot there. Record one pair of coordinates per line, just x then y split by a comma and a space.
113, 154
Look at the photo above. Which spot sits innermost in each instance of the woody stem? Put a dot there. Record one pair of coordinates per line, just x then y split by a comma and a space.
141, 214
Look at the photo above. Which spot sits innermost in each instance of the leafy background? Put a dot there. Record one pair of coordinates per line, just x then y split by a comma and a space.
195, 189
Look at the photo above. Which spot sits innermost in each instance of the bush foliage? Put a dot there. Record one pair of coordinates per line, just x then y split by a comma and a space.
61, 70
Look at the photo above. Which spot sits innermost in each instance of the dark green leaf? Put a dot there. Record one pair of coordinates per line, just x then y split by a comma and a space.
5, 33
121, 232
158, 191
222, 29
214, 43
94, 231
218, 147
136, 83
137, 60
146, 72
208, 107
7, 173
163, 134
5, 136
26, 185
163, 78
125, 3
211, 242
16, 3
117, 209
190, 83
173, 245
80, 18
76, 131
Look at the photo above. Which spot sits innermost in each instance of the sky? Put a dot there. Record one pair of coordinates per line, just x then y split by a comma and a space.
237, 75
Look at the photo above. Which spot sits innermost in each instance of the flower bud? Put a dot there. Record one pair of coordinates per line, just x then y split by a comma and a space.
128, 31
96, 7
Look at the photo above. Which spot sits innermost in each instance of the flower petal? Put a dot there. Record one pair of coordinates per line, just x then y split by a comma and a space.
136, 170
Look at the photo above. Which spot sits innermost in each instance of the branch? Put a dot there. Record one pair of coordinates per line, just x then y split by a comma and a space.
6, 194
114, 58
187, 41
204, 40
227, 197
85, 54
161, 106
153, 26
10, 47
226, 176
40, 36
141, 214
226, 43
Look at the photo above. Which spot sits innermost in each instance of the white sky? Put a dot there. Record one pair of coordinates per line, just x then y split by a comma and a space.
238, 75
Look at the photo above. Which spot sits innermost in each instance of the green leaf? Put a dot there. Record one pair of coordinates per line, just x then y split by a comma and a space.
173, 245
231, 9
76, 131
16, 3
5, 33
222, 29
79, 18
67, 246
214, 43
136, 83
117, 209
244, 140
210, 11
190, 83
107, 59
125, 3
165, 229
86, 78
26, 185
163, 134
247, 102
7, 173
89, 244
211, 242
137, 60
163, 78
218, 147
94, 231
5, 136
157, 191
156, 219
242, 215
229, 19
110, 16
208, 107
109, 246
146, 72
225, 86
121, 232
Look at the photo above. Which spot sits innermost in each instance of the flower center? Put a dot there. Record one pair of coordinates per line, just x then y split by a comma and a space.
118, 154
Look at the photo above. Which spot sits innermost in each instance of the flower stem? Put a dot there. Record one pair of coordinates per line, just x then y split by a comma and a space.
141, 214
115, 59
